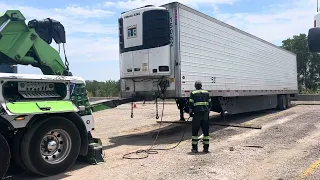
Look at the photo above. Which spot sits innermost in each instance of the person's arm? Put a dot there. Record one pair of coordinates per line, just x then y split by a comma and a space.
209, 100
191, 104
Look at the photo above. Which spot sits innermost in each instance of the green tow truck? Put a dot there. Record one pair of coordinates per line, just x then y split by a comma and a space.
46, 121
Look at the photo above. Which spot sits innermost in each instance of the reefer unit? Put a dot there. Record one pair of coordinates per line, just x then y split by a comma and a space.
169, 47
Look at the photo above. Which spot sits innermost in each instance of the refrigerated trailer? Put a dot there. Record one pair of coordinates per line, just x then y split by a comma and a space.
165, 49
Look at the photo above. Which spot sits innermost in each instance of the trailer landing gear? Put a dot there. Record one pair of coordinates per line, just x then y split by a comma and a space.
4, 156
223, 115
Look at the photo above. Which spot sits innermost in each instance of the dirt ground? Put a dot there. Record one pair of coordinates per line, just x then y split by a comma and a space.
286, 147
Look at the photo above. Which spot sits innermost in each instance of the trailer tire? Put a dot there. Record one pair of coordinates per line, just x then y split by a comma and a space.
55, 155
288, 100
4, 156
282, 103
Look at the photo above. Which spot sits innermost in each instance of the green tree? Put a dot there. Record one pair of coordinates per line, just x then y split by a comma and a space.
308, 64
108, 88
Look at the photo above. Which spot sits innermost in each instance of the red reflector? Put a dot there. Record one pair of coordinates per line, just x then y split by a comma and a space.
186, 91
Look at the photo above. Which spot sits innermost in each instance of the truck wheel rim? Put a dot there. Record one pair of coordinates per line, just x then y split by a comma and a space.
55, 146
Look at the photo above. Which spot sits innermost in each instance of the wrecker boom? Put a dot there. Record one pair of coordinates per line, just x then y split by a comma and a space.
29, 44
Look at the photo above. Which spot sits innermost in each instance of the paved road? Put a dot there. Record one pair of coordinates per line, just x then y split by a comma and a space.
287, 147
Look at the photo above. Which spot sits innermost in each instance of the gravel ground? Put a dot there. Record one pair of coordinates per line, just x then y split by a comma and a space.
287, 147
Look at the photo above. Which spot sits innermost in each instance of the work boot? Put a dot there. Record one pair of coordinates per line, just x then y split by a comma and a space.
206, 148
194, 148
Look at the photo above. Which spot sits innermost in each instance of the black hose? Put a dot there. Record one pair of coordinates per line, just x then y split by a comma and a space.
151, 150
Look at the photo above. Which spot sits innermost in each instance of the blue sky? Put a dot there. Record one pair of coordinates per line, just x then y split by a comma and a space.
92, 44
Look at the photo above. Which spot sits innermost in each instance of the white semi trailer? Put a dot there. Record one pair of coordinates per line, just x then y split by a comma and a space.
166, 49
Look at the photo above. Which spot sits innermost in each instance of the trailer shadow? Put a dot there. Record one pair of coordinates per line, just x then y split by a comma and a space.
172, 133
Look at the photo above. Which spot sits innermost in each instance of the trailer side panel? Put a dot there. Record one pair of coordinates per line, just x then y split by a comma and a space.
230, 62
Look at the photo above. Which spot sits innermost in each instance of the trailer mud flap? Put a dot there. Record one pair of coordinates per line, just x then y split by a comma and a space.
39, 107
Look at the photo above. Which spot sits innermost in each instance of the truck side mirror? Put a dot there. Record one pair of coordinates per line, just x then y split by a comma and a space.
314, 39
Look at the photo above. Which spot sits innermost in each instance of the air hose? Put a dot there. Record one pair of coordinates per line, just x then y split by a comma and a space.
151, 150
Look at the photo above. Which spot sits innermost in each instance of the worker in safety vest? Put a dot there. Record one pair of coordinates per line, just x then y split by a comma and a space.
200, 105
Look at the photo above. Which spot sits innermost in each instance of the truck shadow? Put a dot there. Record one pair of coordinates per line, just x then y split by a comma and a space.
171, 133
15, 173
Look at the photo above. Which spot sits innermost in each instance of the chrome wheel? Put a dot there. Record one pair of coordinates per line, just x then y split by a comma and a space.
55, 146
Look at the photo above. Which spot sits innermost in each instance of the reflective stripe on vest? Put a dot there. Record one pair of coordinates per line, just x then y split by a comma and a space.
199, 91
201, 104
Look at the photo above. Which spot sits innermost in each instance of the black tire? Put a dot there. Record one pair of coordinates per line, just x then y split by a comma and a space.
16, 154
288, 100
282, 103
30, 147
4, 156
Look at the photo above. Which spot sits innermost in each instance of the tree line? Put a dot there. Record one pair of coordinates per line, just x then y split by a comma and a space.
110, 88
308, 71
308, 64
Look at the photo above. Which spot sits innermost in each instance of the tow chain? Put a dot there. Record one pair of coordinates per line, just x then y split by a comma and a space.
131, 109
157, 113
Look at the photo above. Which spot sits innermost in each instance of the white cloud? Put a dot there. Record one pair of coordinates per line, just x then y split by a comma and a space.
130, 4
281, 21
75, 19
92, 49
98, 46
91, 39
83, 12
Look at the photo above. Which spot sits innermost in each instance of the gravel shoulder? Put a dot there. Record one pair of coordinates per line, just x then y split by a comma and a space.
287, 146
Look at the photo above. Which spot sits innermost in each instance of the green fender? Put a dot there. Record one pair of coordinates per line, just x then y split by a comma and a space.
39, 107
